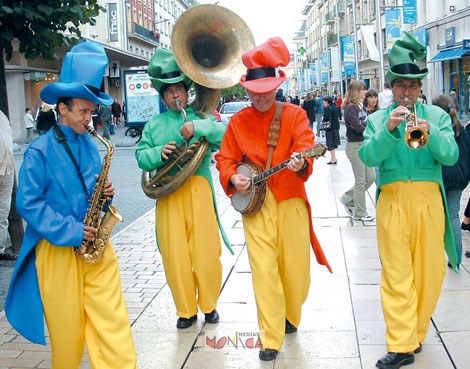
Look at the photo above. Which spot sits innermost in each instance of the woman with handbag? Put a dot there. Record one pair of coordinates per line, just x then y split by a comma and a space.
354, 199
330, 125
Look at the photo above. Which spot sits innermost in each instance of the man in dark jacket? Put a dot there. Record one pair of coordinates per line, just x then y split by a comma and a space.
309, 107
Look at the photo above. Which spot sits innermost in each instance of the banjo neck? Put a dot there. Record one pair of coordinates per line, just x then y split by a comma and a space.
262, 176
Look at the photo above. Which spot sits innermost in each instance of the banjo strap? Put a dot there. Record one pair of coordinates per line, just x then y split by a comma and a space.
274, 132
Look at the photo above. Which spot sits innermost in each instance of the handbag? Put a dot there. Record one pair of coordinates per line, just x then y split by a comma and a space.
325, 126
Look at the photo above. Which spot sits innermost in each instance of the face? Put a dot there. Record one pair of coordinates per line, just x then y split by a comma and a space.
372, 101
406, 91
262, 102
174, 92
77, 115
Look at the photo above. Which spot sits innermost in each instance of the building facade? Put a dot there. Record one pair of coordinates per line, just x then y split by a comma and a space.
350, 39
130, 30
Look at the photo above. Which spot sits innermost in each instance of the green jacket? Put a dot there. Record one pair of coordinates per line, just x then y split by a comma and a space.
397, 162
165, 127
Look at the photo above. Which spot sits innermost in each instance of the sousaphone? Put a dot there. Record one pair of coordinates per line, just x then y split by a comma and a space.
207, 42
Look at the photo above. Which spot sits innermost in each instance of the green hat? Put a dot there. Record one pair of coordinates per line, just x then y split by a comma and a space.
163, 70
402, 58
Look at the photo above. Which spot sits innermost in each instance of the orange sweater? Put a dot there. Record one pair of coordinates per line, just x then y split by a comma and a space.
247, 135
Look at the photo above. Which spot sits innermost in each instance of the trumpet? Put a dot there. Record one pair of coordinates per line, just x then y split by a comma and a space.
415, 136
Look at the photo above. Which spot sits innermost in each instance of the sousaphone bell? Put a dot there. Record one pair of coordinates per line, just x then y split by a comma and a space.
207, 42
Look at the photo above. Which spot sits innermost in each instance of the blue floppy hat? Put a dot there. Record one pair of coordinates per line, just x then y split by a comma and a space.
81, 75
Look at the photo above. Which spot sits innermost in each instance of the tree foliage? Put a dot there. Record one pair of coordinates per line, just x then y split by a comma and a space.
38, 28
234, 90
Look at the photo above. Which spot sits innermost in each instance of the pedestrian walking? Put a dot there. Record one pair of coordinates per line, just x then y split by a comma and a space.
331, 114
46, 118
104, 117
457, 176
279, 234
413, 224
7, 177
319, 109
28, 124
355, 119
385, 97
58, 193
309, 107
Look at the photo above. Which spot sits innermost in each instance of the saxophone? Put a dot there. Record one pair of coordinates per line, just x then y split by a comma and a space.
91, 252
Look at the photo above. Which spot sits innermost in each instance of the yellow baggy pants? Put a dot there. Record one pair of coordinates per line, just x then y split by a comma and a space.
410, 235
84, 303
278, 244
189, 241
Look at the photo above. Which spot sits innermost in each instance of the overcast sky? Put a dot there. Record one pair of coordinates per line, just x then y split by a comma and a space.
268, 18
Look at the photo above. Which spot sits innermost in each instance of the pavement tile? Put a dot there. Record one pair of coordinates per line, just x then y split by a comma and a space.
342, 324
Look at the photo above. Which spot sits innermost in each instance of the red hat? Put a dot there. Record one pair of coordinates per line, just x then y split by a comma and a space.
261, 63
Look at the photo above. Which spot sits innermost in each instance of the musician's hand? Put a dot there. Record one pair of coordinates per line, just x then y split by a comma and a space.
168, 149
423, 124
241, 183
295, 164
397, 116
187, 131
109, 190
89, 233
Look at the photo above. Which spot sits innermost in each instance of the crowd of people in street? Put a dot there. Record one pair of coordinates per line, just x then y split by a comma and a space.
419, 180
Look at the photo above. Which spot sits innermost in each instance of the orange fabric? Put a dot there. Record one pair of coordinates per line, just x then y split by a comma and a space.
247, 135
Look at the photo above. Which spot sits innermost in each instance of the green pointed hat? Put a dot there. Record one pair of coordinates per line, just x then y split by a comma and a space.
163, 70
402, 59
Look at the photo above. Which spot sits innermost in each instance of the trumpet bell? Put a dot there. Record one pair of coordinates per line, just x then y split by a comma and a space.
208, 42
416, 138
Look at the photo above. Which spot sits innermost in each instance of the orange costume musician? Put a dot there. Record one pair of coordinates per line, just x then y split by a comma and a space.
279, 234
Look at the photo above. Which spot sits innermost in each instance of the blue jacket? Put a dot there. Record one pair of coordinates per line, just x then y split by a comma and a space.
52, 200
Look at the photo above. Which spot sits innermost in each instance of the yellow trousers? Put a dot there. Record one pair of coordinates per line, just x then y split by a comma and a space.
410, 234
84, 303
189, 241
278, 244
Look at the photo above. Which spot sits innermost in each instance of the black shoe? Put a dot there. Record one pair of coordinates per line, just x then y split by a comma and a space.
394, 360
8, 256
465, 227
418, 349
267, 355
183, 323
332, 162
467, 254
212, 317
290, 328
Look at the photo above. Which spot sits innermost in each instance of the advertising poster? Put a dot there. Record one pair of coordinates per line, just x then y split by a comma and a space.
409, 11
324, 68
142, 99
347, 52
392, 26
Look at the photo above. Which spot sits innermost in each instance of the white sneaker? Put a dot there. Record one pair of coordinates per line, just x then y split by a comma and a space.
365, 218
349, 209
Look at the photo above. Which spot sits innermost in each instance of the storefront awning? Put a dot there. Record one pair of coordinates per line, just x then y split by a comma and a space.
450, 54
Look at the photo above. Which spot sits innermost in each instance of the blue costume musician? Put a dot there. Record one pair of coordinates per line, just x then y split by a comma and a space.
80, 302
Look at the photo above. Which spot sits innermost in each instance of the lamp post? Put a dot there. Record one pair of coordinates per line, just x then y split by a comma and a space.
338, 41
379, 39
353, 6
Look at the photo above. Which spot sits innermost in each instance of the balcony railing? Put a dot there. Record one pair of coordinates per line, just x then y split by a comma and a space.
329, 18
144, 34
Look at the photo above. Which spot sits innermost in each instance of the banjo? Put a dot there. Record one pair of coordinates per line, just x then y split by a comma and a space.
250, 203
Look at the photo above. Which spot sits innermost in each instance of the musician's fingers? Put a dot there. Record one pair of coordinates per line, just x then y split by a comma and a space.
89, 233
295, 164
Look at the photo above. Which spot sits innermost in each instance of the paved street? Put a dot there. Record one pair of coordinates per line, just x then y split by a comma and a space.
342, 325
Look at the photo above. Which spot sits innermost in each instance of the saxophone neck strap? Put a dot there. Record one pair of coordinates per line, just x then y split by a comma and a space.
273, 134
59, 135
